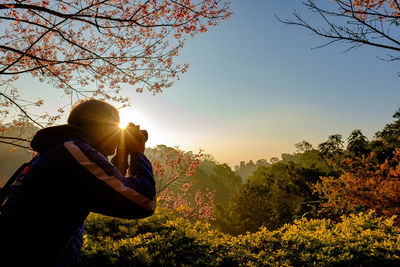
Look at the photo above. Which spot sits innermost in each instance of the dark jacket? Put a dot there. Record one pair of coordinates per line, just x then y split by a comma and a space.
51, 197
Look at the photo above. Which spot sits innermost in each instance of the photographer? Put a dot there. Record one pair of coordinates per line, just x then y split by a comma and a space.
41, 221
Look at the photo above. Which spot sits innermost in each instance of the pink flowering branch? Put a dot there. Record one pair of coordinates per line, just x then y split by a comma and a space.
91, 48
171, 166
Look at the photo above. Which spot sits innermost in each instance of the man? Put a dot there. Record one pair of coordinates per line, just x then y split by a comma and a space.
41, 222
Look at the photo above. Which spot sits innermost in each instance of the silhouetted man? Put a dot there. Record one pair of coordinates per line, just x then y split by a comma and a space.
41, 221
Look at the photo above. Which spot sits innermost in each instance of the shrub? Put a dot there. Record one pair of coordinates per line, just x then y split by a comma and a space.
166, 240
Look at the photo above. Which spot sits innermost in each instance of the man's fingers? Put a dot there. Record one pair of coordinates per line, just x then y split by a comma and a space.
135, 130
133, 127
136, 138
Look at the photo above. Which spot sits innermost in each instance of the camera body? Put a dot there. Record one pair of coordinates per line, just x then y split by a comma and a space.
132, 138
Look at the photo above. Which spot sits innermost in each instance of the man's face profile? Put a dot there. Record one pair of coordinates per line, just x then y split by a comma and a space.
100, 121
108, 136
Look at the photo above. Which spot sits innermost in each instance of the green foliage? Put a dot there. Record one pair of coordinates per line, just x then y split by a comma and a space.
224, 181
253, 206
207, 165
220, 179
289, 157
303, 146
357, 240
387, 139
357, 144
391, 131
313, 159
161, 240
333, 147
275, 195
164, 240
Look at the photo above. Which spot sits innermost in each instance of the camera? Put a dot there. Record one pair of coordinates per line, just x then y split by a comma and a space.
131, 140
132, 136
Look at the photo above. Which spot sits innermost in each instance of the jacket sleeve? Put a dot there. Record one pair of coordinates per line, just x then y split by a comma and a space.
105, 190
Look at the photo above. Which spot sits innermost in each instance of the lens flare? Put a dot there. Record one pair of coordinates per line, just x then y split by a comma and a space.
139, 118
123, 125
125, 116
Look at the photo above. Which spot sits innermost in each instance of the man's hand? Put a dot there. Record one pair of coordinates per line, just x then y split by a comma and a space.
120, 160
134, 139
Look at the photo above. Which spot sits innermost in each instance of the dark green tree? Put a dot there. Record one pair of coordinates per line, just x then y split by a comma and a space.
274, 160
289, 157
275, 195
303, 146
262, 162
222, 180
333, 148
226, 182
390, 134
387, 139
333, 145
357, 144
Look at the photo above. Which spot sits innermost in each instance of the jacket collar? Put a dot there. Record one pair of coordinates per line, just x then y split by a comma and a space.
48, 137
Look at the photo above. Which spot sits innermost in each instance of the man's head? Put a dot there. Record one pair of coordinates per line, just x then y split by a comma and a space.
100, 121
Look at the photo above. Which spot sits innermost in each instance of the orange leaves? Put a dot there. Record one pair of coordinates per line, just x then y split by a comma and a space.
363, 9
364, 185
395, 172
39, 102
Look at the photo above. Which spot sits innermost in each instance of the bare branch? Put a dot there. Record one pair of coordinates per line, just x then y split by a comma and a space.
363, 32
13, 144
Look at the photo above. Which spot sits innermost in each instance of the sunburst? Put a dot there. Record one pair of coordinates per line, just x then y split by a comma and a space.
128, 115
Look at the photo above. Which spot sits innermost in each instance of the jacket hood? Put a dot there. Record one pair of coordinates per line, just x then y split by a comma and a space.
47, 137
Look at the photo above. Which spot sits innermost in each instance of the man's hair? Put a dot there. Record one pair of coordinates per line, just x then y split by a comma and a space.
90, 112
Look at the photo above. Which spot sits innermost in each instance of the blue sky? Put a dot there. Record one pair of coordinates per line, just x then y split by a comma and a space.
262, 79
255, 88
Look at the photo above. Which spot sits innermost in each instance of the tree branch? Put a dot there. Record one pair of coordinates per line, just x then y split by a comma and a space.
21, 109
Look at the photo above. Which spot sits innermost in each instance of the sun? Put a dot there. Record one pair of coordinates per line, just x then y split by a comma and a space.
146, 122
124, 119
126, 116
